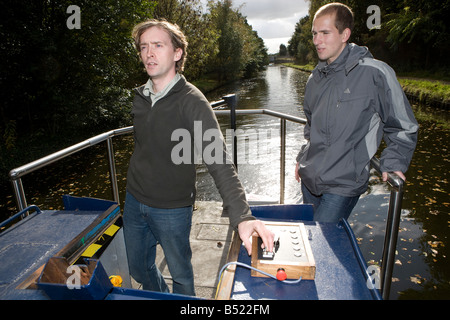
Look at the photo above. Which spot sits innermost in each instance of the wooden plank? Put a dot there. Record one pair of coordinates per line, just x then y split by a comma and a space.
227, 280
55, 272
73, 250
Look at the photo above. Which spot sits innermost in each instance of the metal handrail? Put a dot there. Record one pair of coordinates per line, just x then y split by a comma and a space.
19, 215
17, 173
230, 101
392, 227
283, 118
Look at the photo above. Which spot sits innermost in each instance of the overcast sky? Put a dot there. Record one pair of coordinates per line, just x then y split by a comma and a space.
274, 20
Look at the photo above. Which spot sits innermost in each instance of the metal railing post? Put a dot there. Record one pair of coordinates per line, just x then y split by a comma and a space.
112, 170
17, 173
283, 120
19, 193
231, 102
282, 158
392, 227
391, 237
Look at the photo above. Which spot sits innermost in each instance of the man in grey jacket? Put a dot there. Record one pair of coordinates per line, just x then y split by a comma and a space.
351, 101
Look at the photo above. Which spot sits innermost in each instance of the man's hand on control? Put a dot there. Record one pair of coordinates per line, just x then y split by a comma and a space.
246, 230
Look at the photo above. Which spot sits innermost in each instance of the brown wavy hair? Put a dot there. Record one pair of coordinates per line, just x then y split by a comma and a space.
176, 35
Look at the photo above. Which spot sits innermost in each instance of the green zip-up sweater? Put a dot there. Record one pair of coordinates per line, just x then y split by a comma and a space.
153, 177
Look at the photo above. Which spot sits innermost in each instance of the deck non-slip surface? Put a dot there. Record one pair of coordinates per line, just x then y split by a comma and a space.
30, 243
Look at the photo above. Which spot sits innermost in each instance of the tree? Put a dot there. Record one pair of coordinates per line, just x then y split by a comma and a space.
283, 50
57, 80
421, 28
198, 29
227, 63
300, 45
254, 55
258, 58
240, 50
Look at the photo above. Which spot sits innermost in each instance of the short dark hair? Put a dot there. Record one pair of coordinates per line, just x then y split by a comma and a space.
176, 35
343, 15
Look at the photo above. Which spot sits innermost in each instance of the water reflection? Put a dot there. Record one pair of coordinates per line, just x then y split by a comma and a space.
427, 202
279, 89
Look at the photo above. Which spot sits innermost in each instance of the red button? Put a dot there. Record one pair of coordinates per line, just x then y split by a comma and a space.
281, 274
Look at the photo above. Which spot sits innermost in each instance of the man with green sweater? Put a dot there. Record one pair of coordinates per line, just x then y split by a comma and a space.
160, 189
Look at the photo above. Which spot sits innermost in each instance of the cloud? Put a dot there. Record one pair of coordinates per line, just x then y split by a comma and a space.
273, 45
274, 20
271, 9
277, 28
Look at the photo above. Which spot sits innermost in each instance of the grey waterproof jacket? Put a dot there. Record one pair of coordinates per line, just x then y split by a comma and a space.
350, 104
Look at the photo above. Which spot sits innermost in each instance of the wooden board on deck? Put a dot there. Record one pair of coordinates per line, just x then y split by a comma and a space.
226, 283
293, 254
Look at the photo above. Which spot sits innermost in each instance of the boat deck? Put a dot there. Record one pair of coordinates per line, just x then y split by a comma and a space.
26, 247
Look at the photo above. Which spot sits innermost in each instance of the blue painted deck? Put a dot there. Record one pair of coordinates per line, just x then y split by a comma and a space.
26, 246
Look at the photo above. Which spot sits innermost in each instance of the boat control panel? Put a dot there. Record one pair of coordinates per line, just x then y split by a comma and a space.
292, 252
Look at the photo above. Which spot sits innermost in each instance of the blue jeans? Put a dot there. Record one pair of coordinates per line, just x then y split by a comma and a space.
329, 207
145, 227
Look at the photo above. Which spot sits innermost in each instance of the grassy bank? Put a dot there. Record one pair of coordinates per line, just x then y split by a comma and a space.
426, 91
206, 85
306, 67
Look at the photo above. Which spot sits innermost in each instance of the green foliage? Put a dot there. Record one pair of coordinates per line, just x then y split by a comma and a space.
283, 50
427, 91
198, 28
62, 85
55, 78
240, 51
300, 45
10, 134
57, 81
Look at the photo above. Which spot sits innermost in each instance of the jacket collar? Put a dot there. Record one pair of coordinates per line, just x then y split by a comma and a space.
347, 60
177, 87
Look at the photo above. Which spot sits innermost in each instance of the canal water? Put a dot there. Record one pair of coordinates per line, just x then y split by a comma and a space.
422, 261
